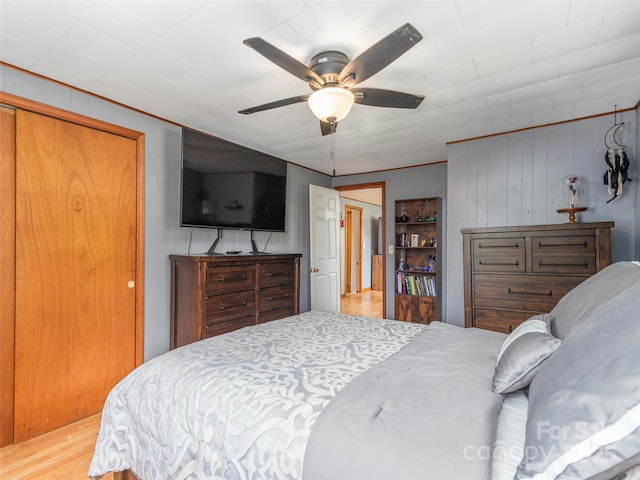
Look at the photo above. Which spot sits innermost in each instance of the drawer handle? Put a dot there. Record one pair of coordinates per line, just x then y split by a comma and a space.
583, 244
284, 295
243, 277
285, 273
583, 264
536, 294
515, 245
222, 307
516, 264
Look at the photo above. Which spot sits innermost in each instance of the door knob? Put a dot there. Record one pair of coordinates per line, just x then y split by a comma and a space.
313, 270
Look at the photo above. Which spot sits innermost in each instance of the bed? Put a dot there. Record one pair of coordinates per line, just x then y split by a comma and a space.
321, 396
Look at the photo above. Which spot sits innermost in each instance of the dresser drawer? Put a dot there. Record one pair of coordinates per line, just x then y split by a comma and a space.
271, 274
221, 308
228, 326
499, 255
274, 298
277, 314
532, 293
230, 279
504, 321
564, 254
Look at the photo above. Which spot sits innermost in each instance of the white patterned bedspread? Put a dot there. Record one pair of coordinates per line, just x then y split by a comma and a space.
241, 405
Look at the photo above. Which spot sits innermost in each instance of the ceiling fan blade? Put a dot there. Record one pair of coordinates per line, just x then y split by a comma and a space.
283, 60
377, 97
278, 103
328, 128
378, 56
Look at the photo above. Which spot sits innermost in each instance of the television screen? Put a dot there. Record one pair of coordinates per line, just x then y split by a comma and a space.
225, 185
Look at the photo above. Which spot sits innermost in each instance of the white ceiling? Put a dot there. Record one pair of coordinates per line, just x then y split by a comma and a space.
484, 67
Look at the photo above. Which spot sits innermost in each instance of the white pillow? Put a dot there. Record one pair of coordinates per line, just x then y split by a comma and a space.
522, 353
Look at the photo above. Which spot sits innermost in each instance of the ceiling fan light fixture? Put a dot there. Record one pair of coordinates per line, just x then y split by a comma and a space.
331, 103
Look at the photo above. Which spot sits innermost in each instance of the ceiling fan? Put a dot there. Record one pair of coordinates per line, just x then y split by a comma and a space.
332, 77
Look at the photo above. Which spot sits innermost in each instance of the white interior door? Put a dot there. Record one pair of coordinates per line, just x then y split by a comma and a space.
324, 248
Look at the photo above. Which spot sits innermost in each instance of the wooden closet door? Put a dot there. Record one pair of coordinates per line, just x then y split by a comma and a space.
75, 270
7, 269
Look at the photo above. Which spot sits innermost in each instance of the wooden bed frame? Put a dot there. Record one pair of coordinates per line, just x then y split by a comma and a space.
125, 475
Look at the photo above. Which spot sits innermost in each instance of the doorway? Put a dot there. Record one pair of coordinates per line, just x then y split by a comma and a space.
353, 250
362, 258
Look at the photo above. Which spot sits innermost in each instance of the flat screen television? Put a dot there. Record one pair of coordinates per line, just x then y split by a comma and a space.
228, 186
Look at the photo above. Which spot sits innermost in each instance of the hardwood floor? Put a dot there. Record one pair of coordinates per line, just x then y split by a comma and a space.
66, 453
367, 303
62, 454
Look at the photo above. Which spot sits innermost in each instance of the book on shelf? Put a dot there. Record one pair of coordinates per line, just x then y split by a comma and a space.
412, 284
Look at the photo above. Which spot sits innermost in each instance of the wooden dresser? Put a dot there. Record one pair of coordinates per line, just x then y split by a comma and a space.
211, 295
512, 273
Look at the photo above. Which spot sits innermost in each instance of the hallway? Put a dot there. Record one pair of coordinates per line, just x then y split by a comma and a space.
367, 303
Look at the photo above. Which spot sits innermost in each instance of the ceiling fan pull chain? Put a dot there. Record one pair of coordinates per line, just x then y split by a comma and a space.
332, 154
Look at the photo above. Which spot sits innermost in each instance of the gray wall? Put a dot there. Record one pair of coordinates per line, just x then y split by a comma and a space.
163, 236
506, 180
514, 179
416, 182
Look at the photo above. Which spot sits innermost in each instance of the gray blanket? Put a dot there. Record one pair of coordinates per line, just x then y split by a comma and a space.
427, 412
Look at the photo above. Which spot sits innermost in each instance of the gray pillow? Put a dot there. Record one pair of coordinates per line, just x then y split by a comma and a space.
584, 402
522, 354
569, 312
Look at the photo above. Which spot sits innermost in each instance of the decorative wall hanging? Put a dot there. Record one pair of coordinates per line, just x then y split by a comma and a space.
617, 161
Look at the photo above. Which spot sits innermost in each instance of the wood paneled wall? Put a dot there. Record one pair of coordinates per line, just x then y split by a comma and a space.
515, 179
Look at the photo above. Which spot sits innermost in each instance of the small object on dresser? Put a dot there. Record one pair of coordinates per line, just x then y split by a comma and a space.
415, 239
571, 188
571, 196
